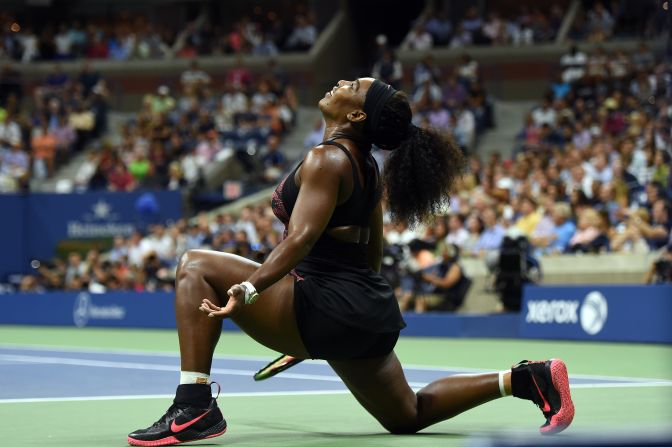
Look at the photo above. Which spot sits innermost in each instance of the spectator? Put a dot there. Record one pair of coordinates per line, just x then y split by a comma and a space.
119, 179
303, 36
44, 151
14, 168
492, 235
388, 69
600, 22
585, 238
573, 64
273, 162
529, 216
544, 114
418, 39
563, 230
194, 78
162, 102
449, 282
475, 228
439, 26
457, 234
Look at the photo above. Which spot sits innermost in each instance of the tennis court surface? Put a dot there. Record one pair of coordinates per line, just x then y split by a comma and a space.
83, 387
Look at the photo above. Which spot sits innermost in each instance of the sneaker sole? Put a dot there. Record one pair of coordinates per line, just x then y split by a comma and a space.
564, 417
170, 440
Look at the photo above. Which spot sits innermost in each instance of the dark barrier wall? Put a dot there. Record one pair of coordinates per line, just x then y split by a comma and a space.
33, 225
13, 234
626, 314
601, 313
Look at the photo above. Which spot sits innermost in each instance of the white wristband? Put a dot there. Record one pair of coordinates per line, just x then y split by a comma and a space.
251, 293
502, 390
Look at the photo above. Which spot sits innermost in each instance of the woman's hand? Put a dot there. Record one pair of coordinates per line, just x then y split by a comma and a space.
236, 301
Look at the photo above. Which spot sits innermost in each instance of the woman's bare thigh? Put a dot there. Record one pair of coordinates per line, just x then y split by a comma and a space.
270, 320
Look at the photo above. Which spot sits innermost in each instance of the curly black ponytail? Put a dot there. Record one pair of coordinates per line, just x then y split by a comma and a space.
422, 167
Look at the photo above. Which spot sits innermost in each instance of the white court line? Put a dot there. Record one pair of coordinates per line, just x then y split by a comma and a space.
168, 396
170, 368
35, 347
253, 394
247, 373
622, 385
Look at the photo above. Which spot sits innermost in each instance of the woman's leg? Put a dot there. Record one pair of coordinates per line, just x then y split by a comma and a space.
209, 274
380, 386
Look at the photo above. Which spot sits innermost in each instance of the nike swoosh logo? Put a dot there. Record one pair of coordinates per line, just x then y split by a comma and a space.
547, 407
176, 428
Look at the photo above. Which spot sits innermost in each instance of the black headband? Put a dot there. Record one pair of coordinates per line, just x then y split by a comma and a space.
376, 98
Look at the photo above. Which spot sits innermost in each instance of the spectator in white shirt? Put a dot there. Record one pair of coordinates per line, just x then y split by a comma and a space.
29, 43
457, 234
544, 114
63, 43
418, 39
233, 99
573, 64
466, 126
303, 36
194, 77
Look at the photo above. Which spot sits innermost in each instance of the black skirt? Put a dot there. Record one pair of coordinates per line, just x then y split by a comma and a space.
344, 312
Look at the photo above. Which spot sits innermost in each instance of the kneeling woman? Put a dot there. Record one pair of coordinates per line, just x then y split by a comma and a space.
319, 293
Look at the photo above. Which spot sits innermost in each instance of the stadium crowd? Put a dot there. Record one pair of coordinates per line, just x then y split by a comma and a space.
532, 23
454, 101
591, 173
65, 114
127, 36
176, 135
146, 260
524, 26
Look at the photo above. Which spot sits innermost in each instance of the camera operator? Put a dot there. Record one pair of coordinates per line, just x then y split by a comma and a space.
661, 269
446, 280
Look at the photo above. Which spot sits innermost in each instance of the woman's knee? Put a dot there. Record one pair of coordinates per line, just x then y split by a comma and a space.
404, 421
401, 427
188, 265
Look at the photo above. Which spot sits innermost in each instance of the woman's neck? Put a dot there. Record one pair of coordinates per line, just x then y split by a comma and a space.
345, 132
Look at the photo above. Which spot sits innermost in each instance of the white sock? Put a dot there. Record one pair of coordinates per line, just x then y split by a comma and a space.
190, 377
502, 390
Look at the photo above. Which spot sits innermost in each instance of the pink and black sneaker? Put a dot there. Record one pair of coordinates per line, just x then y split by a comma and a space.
184, 421
547, 385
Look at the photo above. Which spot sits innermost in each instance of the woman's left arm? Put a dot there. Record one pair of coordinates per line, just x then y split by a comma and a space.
320, 182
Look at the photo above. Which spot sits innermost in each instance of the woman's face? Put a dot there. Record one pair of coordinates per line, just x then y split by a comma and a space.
345, 101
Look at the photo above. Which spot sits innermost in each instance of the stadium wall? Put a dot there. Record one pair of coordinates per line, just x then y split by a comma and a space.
590, 313
37, 224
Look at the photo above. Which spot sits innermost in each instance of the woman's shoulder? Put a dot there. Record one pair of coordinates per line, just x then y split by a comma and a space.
326, 155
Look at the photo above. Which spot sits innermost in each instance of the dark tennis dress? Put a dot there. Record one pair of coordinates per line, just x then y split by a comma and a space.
344, 309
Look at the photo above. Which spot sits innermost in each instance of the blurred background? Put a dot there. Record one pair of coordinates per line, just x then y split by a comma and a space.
131, 132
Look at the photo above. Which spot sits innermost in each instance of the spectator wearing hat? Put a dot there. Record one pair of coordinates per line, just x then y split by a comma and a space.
162, 102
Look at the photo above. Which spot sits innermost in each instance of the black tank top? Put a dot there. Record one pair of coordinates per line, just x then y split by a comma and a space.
356, 210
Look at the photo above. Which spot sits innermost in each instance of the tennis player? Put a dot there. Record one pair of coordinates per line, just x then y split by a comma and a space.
319, 293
